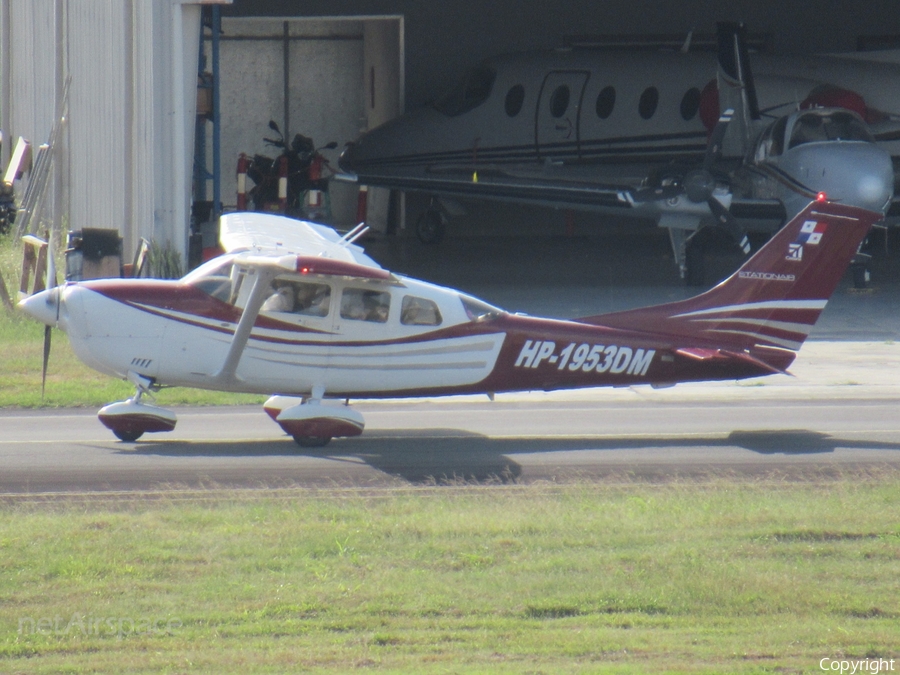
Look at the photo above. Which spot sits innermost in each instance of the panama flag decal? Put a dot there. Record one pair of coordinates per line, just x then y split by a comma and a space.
811, 232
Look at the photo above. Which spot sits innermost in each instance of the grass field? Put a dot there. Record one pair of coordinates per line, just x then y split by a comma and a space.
710, 577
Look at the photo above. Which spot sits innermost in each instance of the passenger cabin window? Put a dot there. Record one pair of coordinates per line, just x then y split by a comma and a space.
362, 304
690, 104
816, 127
515, 97
649, 101
419, 312
606, 101
469, 93
298, 297
559, 101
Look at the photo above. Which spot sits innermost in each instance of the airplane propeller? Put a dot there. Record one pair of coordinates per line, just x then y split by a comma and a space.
699, 185
54, 298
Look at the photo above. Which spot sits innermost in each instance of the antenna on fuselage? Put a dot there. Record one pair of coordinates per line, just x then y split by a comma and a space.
353, 234
687, 42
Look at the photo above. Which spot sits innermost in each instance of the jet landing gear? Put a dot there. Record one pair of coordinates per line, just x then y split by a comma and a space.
432, 224
131, 419
311, 423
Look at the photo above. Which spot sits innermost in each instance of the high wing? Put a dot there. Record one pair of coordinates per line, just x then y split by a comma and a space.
273, 235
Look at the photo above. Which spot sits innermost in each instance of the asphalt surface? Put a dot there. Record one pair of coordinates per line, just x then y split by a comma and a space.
838, 414
523, 441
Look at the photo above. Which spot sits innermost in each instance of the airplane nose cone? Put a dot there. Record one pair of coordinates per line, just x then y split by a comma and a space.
43, 306
874, 190
854, 173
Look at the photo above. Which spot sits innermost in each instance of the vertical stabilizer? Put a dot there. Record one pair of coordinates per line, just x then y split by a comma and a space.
775, 298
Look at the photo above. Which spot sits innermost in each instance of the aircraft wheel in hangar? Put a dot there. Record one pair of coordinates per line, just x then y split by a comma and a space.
312, 441
430, 227
694, 262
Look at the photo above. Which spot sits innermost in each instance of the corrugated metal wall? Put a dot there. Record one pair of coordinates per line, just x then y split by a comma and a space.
126, 157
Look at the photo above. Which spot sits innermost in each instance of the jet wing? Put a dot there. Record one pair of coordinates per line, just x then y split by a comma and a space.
589, 186
271, 235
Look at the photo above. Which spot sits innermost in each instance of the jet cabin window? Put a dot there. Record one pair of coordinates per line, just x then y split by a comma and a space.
473, 90
649, 101
515, 97
362, 304
816, 127
606, 101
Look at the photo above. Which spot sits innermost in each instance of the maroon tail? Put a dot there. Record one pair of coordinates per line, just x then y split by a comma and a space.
774, 299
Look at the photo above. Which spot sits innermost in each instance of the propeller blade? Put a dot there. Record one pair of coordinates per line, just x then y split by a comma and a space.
729, 224
47, 334
714, 145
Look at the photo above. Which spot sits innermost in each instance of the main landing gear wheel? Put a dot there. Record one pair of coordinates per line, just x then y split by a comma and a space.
312, 441
430, 227
128, 436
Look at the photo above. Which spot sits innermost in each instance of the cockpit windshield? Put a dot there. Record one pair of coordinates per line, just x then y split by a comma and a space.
816, 126
469, 93
221, 279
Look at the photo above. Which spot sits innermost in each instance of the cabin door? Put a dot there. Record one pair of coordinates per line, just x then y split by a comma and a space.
558, 110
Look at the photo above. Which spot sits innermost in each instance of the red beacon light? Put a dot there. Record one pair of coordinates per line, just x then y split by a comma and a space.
821, 197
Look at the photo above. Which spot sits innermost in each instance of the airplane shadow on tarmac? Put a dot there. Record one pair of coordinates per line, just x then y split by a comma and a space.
448, 456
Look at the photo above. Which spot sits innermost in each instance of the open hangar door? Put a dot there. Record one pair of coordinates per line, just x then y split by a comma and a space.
328, 79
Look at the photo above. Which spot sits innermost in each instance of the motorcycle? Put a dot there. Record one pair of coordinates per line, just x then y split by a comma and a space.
305, 170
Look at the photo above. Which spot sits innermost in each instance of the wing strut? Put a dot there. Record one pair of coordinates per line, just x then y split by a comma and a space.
264, 277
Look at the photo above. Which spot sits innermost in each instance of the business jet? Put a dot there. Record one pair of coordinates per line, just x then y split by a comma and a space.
295, 311
648, 134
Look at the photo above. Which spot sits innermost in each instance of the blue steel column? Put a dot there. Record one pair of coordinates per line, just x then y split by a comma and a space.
217, 132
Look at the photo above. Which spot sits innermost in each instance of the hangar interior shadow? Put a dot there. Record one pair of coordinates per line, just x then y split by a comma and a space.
447, 456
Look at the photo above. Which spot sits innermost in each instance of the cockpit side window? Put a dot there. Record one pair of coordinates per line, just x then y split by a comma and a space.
298, 297
469, 93
771, 142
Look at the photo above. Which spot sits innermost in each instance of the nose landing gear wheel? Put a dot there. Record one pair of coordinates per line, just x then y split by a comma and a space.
128, 436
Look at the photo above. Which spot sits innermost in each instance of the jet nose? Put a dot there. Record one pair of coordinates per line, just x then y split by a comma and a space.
859, 174
43, 306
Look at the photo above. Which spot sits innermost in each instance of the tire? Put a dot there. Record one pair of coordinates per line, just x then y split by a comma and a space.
128, 436
312, 441
430, 227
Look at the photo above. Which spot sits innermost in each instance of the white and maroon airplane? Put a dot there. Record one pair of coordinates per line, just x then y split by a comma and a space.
296, 311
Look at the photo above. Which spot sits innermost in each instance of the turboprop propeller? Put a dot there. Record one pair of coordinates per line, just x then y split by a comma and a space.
700, 186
